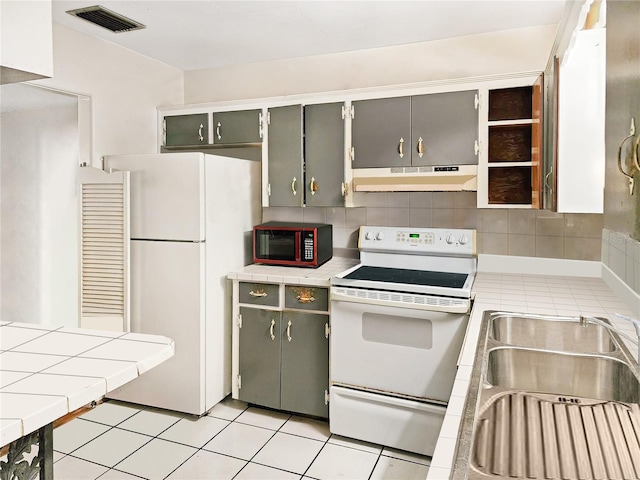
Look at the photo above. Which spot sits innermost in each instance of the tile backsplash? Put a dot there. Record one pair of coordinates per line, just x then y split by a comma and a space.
522, 232
621, 254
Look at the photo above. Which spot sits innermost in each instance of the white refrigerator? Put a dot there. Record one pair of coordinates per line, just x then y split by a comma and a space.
191, 220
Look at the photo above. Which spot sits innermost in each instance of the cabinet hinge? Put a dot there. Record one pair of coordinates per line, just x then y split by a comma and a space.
260, 125
350, 113
476, 101
268, 118
164, 131
239, 320
326, 397
239, 382
327, 330
352, 153
268, 189
476, 147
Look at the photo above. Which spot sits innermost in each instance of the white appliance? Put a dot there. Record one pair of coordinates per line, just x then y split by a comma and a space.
398, 321
191, 220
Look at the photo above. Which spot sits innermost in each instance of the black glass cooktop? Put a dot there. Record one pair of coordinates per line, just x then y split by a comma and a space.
413, 277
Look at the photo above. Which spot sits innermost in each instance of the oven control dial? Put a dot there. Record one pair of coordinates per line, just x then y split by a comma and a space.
450, 239
380, 236
463, 240
368, 235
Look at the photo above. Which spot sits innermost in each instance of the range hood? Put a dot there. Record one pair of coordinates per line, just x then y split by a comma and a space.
416, 179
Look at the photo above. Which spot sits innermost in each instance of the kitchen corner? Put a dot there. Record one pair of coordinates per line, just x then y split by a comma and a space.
565, 288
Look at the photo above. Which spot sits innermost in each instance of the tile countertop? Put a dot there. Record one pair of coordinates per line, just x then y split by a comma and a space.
543, 294
47, 372
320, 276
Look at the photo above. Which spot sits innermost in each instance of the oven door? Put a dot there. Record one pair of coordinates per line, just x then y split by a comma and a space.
395, 350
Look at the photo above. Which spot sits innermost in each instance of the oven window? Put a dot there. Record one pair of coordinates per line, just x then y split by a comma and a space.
276, 245
396, 330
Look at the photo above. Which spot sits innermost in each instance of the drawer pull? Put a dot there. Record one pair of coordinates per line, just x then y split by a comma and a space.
289, 330
304, 294
305, 299
259, 293
271, 334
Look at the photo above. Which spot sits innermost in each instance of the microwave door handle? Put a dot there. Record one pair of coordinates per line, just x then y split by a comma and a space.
297, 245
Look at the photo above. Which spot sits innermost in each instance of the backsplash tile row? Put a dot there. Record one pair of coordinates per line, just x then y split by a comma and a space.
521, 232
621, 254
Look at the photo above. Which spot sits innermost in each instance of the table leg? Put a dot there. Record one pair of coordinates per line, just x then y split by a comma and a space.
40, 467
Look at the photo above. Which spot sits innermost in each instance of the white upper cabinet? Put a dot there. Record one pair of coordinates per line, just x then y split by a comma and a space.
581, 121
27, 41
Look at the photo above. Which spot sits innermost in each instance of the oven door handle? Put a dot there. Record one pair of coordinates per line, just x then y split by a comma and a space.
463, 306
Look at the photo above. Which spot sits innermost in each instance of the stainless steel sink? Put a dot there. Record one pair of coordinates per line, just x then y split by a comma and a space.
590, 376
561, 334
549, 398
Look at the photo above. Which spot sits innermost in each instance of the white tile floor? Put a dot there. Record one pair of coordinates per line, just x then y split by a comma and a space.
119, 441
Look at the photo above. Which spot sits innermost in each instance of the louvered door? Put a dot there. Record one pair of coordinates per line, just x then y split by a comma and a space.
104, 257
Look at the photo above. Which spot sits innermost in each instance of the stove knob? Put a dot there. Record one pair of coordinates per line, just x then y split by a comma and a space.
368, 235
380, 236
450, 239
463, 240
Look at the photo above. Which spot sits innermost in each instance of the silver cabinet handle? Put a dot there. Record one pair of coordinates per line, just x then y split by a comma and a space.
400, 145
271, 334
289, 330
218, 131
200, 132
258, 293
293, 186
420, 147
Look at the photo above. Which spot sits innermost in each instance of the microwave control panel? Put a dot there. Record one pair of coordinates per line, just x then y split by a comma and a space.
308, 246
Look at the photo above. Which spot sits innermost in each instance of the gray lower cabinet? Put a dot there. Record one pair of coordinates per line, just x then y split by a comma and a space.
286, 177
439, 129
186, 130
284, 360
243, 126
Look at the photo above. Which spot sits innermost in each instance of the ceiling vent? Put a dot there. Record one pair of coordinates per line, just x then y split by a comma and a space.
106, 18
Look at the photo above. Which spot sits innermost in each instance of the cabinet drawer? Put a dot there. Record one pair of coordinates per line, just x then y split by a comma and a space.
306, 298
259, 293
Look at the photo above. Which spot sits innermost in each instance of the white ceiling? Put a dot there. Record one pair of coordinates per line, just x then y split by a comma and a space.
205, 34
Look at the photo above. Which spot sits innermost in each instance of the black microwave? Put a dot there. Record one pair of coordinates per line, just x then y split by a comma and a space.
292, 244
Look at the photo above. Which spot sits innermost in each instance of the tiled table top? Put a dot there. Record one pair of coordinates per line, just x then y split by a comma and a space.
47, 372
320, 276
541, 294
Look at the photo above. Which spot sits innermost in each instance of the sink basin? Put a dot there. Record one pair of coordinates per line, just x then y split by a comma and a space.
551, 334
564, 374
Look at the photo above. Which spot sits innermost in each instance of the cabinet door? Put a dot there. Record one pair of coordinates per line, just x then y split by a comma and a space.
285, 157
187, 129
237, 127
444, 128
324, 155
305, 363
381, 133
259, 357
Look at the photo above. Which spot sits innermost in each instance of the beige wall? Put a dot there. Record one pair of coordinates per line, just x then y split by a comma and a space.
125, 89
505, 52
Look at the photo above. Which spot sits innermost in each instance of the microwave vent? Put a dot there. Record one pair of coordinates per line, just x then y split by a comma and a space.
106, 18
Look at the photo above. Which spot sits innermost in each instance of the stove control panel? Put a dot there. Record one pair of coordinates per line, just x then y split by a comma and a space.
419, 240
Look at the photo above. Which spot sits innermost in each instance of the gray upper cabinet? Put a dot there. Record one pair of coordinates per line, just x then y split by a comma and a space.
184, 130
444, 128
381, 133
422, 130
324, 150
286, 180
237, 127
